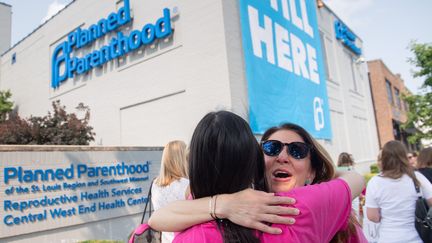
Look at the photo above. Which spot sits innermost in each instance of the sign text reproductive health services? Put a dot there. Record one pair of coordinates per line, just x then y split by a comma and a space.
36, 195
64, 65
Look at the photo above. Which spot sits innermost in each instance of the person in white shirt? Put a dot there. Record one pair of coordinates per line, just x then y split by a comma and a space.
172, 183
391, 195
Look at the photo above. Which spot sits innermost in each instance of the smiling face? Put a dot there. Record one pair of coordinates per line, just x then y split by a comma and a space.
283, 171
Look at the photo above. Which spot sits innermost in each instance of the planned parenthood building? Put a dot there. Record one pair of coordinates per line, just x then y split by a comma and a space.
150, 70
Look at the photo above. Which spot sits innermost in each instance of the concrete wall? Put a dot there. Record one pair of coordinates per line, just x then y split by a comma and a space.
5, 27
114, 222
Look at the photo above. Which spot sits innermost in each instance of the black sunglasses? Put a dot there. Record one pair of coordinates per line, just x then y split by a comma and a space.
297, 150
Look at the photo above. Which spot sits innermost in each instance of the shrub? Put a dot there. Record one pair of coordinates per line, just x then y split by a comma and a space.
5, 104
368, 176
374, 168
57, 128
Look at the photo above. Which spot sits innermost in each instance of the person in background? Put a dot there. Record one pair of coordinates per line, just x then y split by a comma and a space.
424, 163
297, 166
391, 195
171, 183
346, 163
412, 159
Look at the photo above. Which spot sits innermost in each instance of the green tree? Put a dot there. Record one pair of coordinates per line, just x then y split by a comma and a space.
5, 104
56, 128
420, 105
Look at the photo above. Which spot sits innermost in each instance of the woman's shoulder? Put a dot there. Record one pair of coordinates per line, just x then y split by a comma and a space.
376, 179
420, 171
422, 178
380, 182
180, 184
427, 172
183, 180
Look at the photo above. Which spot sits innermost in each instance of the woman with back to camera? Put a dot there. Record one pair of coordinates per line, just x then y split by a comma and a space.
346, 163
391, 195
224, 157
172, 182
424, 163
293, 159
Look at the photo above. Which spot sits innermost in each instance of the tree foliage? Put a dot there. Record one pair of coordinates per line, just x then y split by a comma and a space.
5, 104
56, 128
420, 105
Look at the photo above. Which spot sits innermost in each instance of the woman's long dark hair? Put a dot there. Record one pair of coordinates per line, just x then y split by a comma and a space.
323, 167
225, 157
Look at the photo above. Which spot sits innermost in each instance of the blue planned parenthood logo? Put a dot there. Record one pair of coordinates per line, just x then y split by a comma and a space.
347, 37
118, 46
60, 174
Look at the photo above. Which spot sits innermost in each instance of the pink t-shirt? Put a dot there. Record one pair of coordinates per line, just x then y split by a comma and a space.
324, 208
205, 233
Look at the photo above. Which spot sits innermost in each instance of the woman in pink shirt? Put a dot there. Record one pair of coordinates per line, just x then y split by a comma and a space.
293, 159
298, 166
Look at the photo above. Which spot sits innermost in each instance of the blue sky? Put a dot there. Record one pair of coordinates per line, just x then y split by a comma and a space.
385, 26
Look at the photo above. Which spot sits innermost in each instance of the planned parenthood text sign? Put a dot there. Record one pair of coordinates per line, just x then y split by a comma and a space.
62, 187
284, 65
65, 65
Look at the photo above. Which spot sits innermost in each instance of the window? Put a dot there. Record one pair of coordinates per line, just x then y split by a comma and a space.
354, 82
349, 73
405, 105
13, 58
324, 51
389, 92
398, 99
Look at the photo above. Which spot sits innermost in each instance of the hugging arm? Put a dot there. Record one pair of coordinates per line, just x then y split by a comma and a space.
248, 208
354, 180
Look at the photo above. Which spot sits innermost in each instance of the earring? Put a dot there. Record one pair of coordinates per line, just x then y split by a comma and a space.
307, 182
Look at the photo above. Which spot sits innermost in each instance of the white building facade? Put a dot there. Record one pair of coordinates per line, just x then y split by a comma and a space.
352, 115
158, 89
5, 26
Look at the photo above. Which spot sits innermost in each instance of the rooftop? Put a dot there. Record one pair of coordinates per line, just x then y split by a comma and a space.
5, 4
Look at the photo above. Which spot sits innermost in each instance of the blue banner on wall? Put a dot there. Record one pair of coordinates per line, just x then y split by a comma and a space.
284, 65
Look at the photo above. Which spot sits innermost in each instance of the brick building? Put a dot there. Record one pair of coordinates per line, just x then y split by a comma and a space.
390, 109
